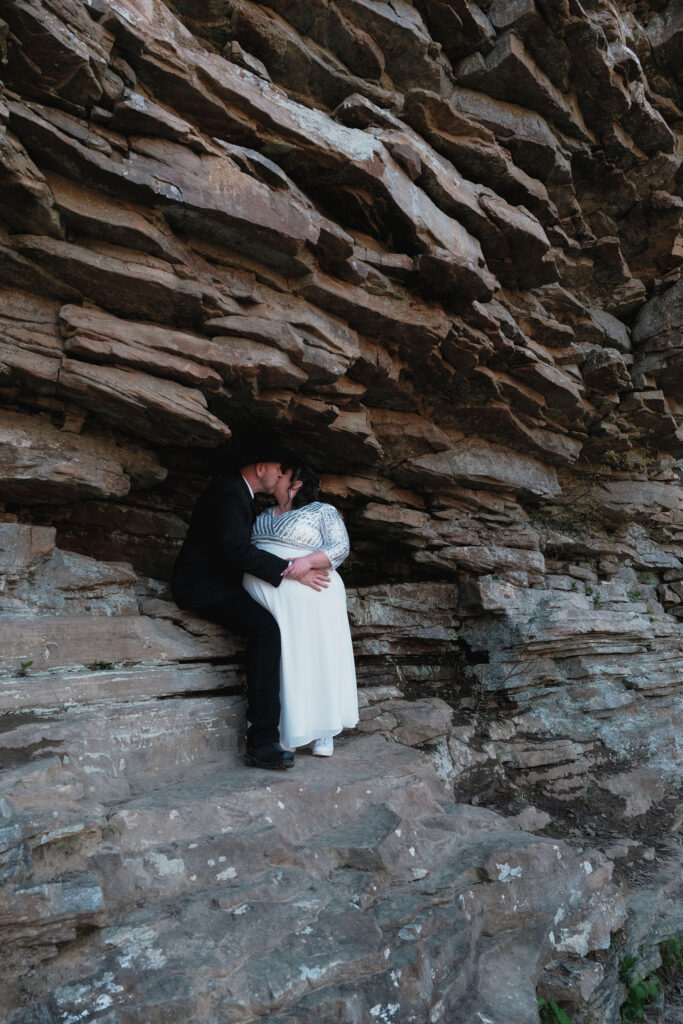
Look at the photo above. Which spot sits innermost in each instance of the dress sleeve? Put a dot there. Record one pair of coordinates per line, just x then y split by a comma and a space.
335, 538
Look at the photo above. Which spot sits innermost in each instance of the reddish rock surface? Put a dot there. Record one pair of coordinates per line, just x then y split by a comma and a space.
438, 246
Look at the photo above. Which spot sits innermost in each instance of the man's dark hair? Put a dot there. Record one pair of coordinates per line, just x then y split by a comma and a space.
264, 447
310, 487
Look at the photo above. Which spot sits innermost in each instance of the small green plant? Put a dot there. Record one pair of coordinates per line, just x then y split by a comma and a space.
551, 829
634, 594
628, 962
588, 590
597, 601
25, 666
108, 828
584, 514
68, 845
100, 666
640, 992
643, 459
589, 794
550, 1013
615, 460
672, 959
573, 585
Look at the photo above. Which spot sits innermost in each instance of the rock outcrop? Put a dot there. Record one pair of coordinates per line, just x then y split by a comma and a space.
438, 247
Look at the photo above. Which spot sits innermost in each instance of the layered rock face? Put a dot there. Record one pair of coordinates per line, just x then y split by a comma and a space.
437, 246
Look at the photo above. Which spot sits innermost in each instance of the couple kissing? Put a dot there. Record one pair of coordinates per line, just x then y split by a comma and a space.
272, 578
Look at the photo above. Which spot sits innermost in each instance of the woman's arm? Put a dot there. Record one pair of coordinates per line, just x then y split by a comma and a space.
334, 549
335, 538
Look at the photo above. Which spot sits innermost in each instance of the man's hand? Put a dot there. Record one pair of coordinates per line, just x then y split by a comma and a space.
316, 579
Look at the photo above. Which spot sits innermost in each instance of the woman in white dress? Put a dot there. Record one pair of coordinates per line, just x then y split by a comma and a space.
317, 672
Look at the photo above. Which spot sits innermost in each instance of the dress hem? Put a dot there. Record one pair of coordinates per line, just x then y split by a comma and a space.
324, 734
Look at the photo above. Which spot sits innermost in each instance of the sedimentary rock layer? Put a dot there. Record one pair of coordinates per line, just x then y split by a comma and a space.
438, 247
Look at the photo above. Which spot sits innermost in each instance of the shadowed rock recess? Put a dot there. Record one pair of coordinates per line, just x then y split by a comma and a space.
438, 247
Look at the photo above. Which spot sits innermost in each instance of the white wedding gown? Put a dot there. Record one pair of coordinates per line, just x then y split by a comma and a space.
317, 673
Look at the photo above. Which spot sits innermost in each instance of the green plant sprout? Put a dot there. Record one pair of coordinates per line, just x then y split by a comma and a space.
671, 951
109, 829
589, 795
69, 845
550, 1013
616, 460
639, 992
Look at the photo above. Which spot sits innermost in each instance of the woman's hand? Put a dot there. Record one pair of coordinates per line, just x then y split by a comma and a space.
297, 568
300, 567
316, 579
306, 570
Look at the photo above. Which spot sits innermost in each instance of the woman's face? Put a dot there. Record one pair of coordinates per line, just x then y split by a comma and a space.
282, 487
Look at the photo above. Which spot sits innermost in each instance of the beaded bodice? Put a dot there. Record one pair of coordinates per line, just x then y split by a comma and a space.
315, 527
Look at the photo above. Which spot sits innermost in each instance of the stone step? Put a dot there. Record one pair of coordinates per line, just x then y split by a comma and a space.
307, 895
245, 850
301, 801
109, 753
281, 870
75, 777
46, 692
291, 931
223, 831
56, 909
154, 968
76, 641
115, 751
223, 837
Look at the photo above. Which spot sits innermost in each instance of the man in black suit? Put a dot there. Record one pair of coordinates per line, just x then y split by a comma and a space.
207, 577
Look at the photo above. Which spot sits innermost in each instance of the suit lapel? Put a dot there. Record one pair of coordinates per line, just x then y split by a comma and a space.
247, 495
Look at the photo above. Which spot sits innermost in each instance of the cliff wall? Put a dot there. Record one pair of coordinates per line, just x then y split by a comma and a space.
437, 246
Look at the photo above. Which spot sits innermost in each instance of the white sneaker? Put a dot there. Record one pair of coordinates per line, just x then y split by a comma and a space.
324, 747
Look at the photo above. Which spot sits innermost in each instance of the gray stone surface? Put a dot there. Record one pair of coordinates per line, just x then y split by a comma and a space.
265, 892
438, 248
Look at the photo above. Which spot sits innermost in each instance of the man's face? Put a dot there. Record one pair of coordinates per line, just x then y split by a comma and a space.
282, 487
271, 474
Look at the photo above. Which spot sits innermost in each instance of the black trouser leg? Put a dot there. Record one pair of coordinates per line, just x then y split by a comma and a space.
246, 616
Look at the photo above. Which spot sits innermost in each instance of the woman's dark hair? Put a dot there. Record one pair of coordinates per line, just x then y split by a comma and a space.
310, 487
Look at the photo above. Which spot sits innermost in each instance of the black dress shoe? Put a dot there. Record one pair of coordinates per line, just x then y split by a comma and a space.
270, 755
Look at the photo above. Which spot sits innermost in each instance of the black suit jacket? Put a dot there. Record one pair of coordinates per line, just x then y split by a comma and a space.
217, 550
